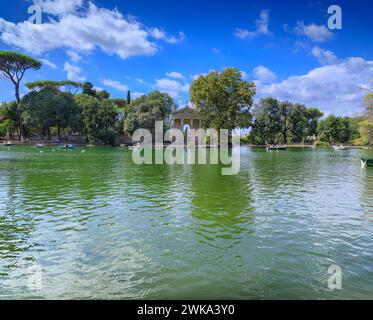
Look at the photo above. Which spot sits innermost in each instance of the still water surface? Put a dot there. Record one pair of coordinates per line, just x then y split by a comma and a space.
98, 226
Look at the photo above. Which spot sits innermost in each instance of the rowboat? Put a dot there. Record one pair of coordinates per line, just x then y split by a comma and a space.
366, 162
67, 146
275, 148
7, 144
339, 148
39, 145
134, 147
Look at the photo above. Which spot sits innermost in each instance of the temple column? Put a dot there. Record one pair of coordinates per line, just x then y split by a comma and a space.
200, 123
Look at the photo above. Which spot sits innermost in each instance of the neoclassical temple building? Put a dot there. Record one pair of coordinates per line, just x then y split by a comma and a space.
186, 118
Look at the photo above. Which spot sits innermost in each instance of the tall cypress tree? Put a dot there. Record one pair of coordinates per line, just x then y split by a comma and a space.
129, 97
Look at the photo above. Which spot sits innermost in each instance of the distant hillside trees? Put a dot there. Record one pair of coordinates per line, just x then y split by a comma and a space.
145, 110
283, 122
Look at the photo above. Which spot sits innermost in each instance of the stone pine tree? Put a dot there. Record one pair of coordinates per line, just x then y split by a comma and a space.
13, 65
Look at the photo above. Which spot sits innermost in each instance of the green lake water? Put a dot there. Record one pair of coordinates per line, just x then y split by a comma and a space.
97, 226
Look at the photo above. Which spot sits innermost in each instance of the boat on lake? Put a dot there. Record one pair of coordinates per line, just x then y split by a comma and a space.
135, 146
276, 148
366, 162
67, 146
339, 148
7, 144
39, 145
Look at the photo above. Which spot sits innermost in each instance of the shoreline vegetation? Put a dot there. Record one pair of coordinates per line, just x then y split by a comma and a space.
58, 112
48, 143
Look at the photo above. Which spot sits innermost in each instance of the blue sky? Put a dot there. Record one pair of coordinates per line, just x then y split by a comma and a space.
285, 47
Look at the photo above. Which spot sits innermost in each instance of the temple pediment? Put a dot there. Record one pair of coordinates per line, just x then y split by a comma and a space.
186, 113
186, 117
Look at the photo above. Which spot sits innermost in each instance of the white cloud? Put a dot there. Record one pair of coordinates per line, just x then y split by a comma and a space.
172, 87
73, 72
75, 57
142, 82
115, 85
197, 75
263, 74
244, 75
162, 35
58, 7
175, 75
48, 63
215, 50
83, 31
136, 95
324, 56
262, 27
317, 33
332, 88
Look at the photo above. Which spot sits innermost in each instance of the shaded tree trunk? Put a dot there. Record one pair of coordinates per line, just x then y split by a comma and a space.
285, 136
19, 113
59, 132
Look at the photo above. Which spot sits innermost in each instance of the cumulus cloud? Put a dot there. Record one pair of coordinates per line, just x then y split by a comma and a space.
172, 87
316, 33
244, 75
75, 57
175, 75
115, 85
73, 72
48, 63
59, 7
324, 56
162, 35
264, 74
262, 27
332, 88
136, 95
83, 31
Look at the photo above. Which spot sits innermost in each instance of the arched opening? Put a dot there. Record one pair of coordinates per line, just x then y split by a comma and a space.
186, 128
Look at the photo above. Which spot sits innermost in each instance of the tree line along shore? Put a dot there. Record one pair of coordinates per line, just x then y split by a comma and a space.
62, 110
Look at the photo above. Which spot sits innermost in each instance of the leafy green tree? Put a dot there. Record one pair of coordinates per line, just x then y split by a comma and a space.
102, 95
366, 132
337, 129
223, 99
281, 121
48, 108
98, 118
147, 109
88, 89
291, 120
266, 126
312, 115
366, 126
8, 118
13, 65
39, 114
